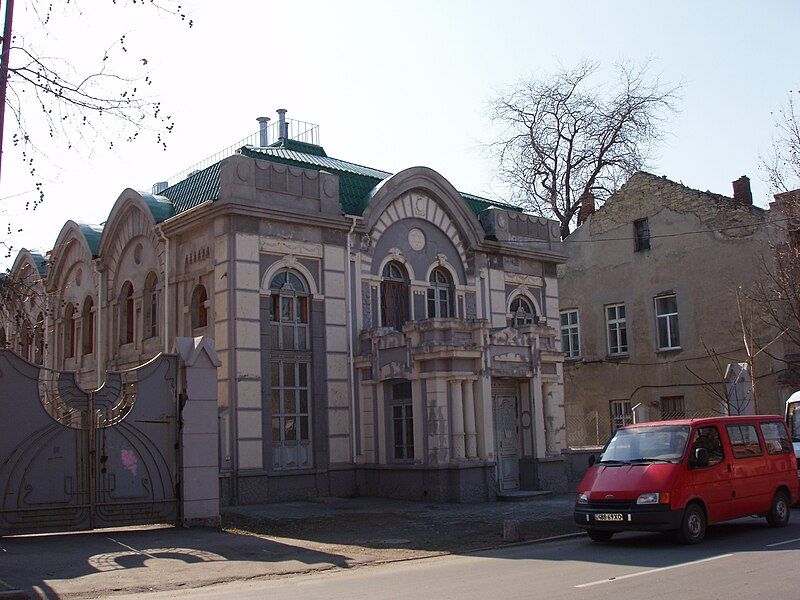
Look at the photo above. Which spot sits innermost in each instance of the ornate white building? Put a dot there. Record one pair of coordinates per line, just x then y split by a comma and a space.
379, 334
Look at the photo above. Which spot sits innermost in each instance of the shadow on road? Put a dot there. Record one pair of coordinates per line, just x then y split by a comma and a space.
108, 561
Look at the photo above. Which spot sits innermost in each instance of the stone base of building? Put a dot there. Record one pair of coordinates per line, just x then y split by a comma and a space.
464, 482
473, 482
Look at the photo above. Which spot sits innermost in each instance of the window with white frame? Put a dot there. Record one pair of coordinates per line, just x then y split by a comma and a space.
439, 294
667, 322
570, 333
621, 414
617, 328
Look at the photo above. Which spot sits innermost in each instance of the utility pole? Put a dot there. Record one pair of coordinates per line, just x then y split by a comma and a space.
4, 70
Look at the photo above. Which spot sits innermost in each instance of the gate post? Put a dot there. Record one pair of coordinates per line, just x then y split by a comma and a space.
199, 465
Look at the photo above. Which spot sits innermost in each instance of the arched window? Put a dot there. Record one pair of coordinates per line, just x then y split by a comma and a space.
522, 312
87, 326
3, 337
150, 300
440, 296
38, 340
69, 331
288, 310
394, 296
25, 340
199, 308
126, 313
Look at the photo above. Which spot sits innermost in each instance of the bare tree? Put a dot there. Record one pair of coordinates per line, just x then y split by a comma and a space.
62, 105
782, 166
563, 137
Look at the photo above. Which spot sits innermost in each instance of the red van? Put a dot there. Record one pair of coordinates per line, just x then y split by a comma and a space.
683, 475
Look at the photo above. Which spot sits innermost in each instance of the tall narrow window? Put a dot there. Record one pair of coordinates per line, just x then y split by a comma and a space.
522, 312
289, 311
621, 414
570, 333
291, 414
641, 235
126, 313
87, 325
199, 309
617, 328
394, 296
150, 300
69, 331
402, 421
3, 337
440, 295
667, 322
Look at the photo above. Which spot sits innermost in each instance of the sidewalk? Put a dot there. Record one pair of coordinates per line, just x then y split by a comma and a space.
267, 541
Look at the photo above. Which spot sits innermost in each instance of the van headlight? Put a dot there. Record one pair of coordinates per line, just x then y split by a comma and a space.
582, 498
653, 498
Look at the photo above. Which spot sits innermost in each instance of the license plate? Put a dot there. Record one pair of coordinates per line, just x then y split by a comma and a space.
608, 517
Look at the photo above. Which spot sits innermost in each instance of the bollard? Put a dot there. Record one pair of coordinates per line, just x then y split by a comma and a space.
511, 531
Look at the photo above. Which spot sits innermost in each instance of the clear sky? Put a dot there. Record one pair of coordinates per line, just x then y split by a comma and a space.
398, 84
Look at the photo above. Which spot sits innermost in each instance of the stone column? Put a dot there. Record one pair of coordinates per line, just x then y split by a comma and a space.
457, 421
469, 420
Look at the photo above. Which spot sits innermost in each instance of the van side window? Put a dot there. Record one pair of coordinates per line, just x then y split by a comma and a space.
744, 441
776, 438
708, 438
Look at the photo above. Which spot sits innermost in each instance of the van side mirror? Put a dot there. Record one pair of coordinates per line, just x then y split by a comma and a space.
701, 457
592, 460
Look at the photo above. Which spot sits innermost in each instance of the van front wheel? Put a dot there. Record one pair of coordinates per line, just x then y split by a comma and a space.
778, 515
693, 525
599, 535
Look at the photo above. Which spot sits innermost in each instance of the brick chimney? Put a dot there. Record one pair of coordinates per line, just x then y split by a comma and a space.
587, 207
741, 190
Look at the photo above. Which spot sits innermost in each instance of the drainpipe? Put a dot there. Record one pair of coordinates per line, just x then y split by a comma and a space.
98, 330
165, 239
349, 318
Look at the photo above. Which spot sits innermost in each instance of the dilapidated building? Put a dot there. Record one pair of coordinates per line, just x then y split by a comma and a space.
649, 312
379, 334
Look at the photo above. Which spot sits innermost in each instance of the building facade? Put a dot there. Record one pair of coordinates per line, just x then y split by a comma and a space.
379, 334
649, 311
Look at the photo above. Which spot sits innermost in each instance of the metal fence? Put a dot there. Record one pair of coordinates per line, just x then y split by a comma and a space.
592, 429
300, 131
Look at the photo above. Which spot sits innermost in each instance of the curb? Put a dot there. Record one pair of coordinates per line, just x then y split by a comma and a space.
552, 538
14, 595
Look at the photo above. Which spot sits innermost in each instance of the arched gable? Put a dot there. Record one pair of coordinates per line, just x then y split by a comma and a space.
438, 202
130, 219
71, 248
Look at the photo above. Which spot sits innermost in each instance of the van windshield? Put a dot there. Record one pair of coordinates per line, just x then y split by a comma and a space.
634, 445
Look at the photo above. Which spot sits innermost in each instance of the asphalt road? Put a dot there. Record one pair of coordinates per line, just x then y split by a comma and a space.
742, 559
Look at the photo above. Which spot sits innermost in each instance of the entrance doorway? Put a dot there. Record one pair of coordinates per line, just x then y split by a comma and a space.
505, 399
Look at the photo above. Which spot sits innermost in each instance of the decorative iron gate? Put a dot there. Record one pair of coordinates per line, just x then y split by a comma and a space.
75, 460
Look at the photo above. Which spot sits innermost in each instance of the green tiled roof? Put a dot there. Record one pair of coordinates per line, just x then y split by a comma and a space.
356, 182
92, 234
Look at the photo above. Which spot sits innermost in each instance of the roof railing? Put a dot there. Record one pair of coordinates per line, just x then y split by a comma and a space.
300, 131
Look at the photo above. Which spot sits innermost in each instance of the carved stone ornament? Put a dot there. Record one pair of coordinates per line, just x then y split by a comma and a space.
366, 243
416, 239
441, 259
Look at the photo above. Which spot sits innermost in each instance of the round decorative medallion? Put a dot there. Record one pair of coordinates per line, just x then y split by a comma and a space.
502, 221
137, 254
416, 239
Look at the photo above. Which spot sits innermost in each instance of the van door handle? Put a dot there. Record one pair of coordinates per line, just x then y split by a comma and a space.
730, 468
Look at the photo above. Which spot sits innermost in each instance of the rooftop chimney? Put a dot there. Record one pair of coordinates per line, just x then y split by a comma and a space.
741, 190
283, 130
587, 207
263, 131
158, 187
